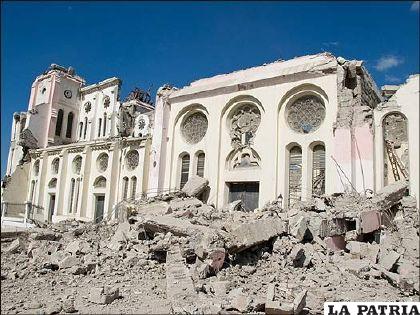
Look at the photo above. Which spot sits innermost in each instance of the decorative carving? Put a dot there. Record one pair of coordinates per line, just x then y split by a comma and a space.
36, 168
102, 162
88, 107
132, 159
194, 128
100, 182
77, 164
127, 116
244, 124
243, 158
107, 101
55, 165
52, 183
140, 95
28, 142
306, 114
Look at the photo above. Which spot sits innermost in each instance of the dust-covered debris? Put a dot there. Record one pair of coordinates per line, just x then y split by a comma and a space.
175, 253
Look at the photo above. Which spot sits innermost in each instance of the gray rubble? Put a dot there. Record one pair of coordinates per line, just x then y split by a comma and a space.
176, 254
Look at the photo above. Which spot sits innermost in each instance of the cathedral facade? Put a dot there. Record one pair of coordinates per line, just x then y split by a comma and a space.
292, 130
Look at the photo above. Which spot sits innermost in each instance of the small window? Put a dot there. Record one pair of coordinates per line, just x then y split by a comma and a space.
69, 125
133, 187
43, 90
85, 131
185, 167
99, 127
72, 186
295, 175
59, 123
80, 129
200, 164
104, 131
125, 188
318, 170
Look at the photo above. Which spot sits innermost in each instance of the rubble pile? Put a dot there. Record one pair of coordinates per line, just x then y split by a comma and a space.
176, 254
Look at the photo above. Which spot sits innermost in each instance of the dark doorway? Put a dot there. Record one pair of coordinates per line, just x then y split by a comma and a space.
51, 207
248, 192
99, 208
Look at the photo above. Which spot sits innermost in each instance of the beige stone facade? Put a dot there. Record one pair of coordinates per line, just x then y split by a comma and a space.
292, 129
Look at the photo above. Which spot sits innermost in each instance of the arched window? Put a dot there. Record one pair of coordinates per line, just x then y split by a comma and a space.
69, 125
31, 196
104, 132
99, 127
200, 164
295, 174
133, 187
85, 131
72, 186
80, 130
77, 194
59, 123
185, 168
125, 188
100, 182
318, 170
55, 165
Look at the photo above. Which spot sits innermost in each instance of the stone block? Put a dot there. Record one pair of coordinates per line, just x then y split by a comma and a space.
362, 250
195, 186
335, 243
370, 221
103, 295
15, 246
247, 235
388, 258
390, 195
183, 204
298, 227
69, 262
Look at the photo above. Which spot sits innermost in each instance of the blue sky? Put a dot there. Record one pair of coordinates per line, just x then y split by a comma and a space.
149, 44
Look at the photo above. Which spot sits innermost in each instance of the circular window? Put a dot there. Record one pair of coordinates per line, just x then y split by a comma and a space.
194, 128
102, 162
36, 168
77, 164
132, 160
55, 165
88, 107
306, 114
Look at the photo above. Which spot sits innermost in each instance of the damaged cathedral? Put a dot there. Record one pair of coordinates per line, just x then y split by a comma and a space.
288, 130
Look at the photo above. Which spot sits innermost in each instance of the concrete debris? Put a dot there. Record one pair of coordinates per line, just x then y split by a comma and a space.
195, 186
175, 254
103, 295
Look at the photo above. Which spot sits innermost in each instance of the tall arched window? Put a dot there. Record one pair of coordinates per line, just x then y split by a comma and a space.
295, 174
200, 164
185, 168
133, 187
72, 186
80, 130
104, 132
77, 194
85, 131
59, 123
99, 127
31, 196
69, 125
125, 188
318, 170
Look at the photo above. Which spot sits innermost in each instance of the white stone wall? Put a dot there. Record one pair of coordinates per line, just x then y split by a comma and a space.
271, 142
83, 204
406, 102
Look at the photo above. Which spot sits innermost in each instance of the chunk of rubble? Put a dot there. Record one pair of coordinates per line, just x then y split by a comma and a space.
369, 221
233, 206
298, 227
388, 259
103, 295
360, 250
390, 195
16, 246
250, 234
279, 303
195, 186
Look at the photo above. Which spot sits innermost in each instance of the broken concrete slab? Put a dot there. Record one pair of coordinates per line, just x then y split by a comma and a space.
390, 195
16, 246
360, 250
298, 225
335, 243
182, 204
299, 302
195, 186
369, 221
388, 259
103, 295
250, 234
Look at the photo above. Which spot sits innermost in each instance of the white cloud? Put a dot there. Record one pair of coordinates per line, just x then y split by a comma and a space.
392, 78
415, 6
387, 62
